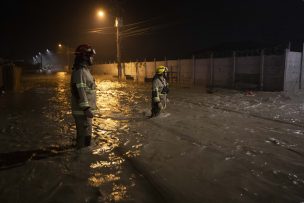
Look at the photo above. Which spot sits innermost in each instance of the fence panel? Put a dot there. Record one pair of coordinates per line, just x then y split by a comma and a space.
201, 71
223, 69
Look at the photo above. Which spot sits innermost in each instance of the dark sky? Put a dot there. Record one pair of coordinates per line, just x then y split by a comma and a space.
172, 28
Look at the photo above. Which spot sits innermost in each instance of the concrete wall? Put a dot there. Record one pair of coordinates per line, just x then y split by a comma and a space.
247, 73
150, 69
130, 68
302, 70
264, 72
292, 71
105, 69
140, 71
136, 70
223, 72
1, 77
186, 71
173, 69
10, 77
248, 64
201, 69
273, 77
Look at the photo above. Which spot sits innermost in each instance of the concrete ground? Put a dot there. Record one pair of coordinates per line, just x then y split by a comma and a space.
228, 146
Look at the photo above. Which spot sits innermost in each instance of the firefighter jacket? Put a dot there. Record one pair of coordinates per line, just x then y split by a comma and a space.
83, 89
159, 88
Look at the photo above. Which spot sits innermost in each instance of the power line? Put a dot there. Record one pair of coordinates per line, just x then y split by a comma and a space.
146, 30
129, 27
135, 29
141, 22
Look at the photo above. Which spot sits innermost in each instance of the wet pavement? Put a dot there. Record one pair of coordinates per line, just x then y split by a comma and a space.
228, 146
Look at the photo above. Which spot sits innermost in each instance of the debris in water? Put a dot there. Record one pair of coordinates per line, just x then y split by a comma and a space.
228, 158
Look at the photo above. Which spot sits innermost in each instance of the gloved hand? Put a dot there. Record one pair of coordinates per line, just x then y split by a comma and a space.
88, 113
160, 106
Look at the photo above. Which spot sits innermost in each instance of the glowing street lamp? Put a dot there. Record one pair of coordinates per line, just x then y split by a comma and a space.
100, 13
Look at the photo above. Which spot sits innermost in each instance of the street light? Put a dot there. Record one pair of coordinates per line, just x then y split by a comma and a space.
118, 24
100, 13
67, 49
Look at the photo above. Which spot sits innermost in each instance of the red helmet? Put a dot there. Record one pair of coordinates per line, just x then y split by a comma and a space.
85, 49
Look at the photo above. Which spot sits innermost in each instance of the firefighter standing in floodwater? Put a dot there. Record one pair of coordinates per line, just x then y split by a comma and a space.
159, 91
83, 89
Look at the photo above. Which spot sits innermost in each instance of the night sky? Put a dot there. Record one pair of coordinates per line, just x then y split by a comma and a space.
163, 28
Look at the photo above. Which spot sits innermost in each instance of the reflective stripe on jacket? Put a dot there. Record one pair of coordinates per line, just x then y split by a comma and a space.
83, 89
158, 84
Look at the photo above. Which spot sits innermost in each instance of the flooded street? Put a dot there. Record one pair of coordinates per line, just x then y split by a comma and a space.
228, 146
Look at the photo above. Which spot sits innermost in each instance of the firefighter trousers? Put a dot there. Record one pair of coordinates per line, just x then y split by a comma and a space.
84, 131
155, 111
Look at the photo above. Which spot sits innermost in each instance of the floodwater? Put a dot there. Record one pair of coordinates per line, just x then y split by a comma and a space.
228, 146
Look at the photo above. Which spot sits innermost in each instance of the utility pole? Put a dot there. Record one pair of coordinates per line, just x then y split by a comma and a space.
118, 25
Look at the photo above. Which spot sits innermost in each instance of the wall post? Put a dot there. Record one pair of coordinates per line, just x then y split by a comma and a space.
301, 68
234, 69
145, 68
193, 69
137, 70
286, 69
211, 71
154, 65
179, 70
262, 70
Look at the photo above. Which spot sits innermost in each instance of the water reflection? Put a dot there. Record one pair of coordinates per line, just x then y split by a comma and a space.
99, 179
108, 95
58, 108
119, 193
115, 101
114, 161
44, 121
108, 170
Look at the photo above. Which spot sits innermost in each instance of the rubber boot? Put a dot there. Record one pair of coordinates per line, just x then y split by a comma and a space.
87, 141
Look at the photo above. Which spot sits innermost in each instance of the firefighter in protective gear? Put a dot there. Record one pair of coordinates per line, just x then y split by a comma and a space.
83, 99
159, 91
